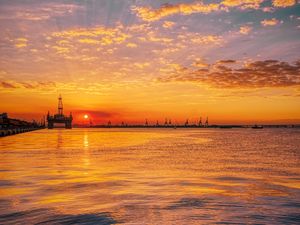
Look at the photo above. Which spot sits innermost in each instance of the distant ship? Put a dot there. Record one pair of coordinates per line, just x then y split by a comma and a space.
257, 127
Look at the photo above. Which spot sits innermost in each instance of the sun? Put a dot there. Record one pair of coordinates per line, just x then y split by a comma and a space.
86, 116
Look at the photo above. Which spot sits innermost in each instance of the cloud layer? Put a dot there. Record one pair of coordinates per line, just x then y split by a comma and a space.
284, 3
150, 14
228, 74
28, 85
42, 11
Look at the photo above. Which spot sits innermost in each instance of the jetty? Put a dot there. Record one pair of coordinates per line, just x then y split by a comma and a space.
11, 126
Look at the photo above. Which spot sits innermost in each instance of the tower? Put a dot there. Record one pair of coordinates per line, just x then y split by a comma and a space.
200, 122
206, 122
59, 117
166, 122
186, 123
146, 123
60, 106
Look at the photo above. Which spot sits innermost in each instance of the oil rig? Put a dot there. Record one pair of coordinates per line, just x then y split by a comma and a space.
59, 117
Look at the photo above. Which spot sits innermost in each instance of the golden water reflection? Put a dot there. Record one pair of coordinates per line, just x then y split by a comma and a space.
150, 176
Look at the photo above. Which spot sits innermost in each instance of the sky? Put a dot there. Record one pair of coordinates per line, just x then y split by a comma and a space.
233, 61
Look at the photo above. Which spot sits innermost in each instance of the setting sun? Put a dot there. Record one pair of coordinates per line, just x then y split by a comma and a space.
86, 116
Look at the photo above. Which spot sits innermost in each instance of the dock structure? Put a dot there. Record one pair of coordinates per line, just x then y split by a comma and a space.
10, 126
59, 117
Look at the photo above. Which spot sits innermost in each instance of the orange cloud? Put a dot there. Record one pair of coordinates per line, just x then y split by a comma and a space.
168, 24
131, 45
244, 4
61, 50
245, 30
69, 42
200, 63
208, 39
149, 14
227, 61
21, 42
154, 37
284, 3
7, 84
86, 32
268, 73
141, 65
27, 85
271, 22
95, 35
42, 11
88, 41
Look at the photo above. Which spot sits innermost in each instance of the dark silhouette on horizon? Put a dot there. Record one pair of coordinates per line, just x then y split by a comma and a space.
59, 117
11, 126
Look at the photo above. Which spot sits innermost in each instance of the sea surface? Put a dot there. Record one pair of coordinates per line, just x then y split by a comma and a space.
151, 176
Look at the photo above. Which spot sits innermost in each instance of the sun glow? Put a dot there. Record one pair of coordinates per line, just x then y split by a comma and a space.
85, 116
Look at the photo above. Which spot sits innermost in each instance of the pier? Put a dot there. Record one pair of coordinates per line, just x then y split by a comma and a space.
11, 126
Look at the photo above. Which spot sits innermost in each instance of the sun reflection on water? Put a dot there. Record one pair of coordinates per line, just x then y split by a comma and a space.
151, 176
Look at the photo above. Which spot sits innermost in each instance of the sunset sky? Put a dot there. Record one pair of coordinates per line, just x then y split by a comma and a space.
231, 60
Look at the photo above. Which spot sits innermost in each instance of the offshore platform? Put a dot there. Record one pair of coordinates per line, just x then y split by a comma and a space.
59, 117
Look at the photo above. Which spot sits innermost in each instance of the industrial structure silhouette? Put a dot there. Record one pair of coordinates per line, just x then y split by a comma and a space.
59, 117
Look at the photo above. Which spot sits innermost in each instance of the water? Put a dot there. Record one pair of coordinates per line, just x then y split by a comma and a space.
150, 176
